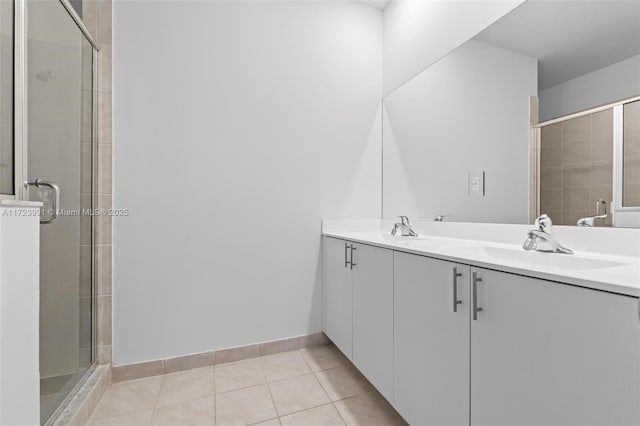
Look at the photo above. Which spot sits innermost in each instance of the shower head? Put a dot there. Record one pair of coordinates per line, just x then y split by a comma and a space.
45, 75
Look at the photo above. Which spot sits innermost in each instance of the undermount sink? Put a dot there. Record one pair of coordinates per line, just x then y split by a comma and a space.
435, 242
401, 237
540, 258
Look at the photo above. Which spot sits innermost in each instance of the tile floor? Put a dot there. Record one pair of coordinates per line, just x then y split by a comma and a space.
308, 387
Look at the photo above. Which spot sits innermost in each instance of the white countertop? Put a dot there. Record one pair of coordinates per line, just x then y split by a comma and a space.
601, 271
19, 203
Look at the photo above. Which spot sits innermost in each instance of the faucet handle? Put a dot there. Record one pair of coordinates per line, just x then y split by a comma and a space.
530, 243
544, 224
404, 220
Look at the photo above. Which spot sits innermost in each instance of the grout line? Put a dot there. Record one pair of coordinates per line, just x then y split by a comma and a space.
273, 401
215, 395
335, 407
267, 383
322, 387
215, 399
306, 362
309, 408
155, 403
268, 420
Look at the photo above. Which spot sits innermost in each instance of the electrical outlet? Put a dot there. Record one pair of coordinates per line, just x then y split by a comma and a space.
476, 184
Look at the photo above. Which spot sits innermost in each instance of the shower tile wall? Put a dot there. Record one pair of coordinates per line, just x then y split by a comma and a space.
96, 15
576, 167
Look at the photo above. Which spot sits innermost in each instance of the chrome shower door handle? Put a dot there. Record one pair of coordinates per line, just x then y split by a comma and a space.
456, 302
475, 280
55, 199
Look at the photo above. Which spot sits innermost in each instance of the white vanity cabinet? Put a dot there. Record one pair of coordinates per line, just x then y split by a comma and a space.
359, 308
431, 363
373, 316
338, 295
544, 353
450, 344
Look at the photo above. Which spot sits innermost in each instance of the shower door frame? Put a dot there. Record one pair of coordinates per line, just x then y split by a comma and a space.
20, 140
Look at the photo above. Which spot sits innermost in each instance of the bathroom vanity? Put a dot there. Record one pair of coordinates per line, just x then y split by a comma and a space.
477, 331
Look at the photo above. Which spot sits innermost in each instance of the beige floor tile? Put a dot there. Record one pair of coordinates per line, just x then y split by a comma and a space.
343, 382
325, 415
284, 365
238, 375
140, 418
297, 394
368, 409
199, 412
272, 422
128, 397
186, 386
245, 406
324, 357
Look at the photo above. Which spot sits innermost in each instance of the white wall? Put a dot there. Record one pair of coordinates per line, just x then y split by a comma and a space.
238, 126
609, 84
468, 112
419, 32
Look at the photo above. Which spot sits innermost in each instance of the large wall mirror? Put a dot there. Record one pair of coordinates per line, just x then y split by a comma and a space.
538, 113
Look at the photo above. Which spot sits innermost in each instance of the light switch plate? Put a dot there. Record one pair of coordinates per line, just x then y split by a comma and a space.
476, 184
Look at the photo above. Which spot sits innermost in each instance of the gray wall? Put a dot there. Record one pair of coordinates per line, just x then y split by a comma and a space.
467, 112
615, 82
239, 126
417, 33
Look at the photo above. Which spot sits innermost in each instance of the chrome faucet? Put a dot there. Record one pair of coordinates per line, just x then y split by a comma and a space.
589, 221
540, 239
404, 227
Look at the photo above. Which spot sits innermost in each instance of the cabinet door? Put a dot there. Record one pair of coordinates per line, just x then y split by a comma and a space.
544, 353
431, 360
338, 295
373, 316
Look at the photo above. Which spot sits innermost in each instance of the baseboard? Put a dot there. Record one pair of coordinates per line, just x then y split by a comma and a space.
171, 365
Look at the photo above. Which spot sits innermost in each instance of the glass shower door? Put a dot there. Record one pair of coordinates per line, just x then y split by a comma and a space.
59, 172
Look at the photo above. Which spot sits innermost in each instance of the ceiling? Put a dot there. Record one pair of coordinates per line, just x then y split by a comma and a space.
569, 38
378, 4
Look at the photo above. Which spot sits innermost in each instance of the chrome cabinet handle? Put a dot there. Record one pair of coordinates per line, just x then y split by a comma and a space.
475, 280
456, 302
346, 261
55, 201
353, 247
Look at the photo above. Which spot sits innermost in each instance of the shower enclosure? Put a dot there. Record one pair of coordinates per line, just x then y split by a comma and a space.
47, 153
